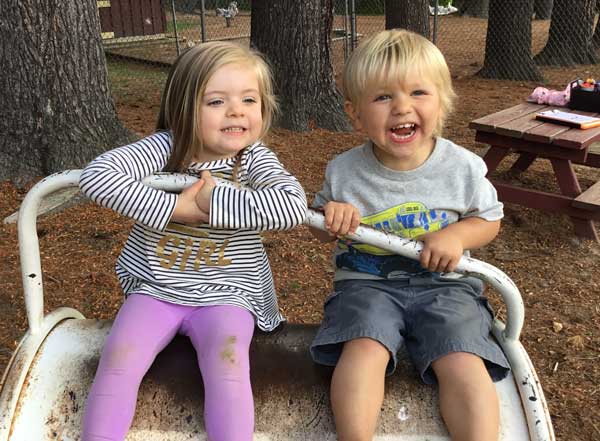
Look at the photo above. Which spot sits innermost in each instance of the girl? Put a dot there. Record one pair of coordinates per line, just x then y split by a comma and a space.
194, 263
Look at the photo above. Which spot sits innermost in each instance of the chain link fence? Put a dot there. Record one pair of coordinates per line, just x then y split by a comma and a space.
142, 38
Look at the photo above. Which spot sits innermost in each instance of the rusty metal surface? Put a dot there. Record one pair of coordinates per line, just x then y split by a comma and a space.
291, 393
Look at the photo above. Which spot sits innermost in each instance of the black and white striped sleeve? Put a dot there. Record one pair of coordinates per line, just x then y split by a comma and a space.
274, 199
113, 181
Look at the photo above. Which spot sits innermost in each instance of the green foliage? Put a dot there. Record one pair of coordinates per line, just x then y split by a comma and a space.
370, 7
183, 24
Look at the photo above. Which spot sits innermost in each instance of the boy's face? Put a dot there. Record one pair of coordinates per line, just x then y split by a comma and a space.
400, 118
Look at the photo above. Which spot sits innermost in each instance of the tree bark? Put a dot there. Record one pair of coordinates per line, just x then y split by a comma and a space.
570, 35
508, 42
295, 37
543, 9
472, 8
57, 110
408, 14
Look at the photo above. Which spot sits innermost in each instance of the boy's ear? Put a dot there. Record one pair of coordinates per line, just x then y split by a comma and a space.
353, 115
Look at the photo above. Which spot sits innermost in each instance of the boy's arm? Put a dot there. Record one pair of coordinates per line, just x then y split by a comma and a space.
340, 219
443, 249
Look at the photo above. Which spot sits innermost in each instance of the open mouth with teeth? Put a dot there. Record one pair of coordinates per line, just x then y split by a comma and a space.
403, 131
233, 130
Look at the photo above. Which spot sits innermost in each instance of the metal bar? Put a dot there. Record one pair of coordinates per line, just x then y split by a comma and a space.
435, 22
31, 264
175, 27
353, 36
346, 43
203, 20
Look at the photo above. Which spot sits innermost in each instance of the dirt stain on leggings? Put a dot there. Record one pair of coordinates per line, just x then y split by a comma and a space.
228, 352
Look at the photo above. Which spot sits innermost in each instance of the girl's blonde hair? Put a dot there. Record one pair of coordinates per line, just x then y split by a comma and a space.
387, 57
185, 86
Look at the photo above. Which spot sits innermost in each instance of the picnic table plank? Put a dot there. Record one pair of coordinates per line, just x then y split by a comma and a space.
488, 123
517, 127
589, 199
578, 139
545, 133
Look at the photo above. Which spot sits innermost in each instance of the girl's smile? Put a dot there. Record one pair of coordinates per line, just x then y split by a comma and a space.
230, 112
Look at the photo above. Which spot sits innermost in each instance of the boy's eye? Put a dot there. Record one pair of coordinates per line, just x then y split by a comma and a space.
382, 97
419, 92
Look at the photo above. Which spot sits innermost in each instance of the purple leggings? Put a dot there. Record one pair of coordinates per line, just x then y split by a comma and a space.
143, 327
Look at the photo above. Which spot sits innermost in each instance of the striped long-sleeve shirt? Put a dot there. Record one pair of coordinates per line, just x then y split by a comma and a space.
219, 263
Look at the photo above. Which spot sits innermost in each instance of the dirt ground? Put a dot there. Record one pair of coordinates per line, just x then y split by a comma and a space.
557, 273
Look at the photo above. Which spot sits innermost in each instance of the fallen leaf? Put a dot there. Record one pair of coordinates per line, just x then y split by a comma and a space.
577, 341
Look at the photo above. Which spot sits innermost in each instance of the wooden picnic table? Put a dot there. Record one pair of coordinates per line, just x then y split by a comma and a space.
515, 130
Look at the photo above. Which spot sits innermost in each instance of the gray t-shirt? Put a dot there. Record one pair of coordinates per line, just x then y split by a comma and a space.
450, 185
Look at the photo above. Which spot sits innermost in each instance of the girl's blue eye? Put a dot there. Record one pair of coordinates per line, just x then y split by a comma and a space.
215, 102
250, 100
419, 92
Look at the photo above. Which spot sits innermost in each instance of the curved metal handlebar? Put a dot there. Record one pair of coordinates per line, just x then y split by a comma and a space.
32, 273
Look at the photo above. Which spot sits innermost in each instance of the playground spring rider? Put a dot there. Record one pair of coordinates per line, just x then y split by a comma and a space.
44, 388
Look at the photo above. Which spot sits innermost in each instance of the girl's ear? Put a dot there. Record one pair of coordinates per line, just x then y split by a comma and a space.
353, 114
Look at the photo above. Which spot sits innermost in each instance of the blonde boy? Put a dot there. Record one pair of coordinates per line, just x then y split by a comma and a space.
408, 180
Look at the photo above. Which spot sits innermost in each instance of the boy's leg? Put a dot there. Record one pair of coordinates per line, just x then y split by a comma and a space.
357, 388
221, 336
468, 399
142, 328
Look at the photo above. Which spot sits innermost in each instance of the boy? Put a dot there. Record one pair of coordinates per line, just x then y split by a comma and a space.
408, 180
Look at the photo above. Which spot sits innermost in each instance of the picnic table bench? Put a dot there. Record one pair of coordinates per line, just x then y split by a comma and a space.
515, 130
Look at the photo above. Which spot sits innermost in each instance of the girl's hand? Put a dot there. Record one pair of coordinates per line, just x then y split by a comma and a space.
341, 218
186, 209
442, 251
203, 195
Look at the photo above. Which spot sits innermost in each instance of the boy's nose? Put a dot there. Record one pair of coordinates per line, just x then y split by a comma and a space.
401, 107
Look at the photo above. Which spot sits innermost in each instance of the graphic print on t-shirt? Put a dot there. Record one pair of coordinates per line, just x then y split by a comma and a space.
408, 220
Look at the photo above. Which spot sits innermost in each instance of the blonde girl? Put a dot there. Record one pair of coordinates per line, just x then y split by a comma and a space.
194, 263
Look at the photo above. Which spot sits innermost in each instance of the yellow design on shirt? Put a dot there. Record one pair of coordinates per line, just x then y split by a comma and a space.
409, 220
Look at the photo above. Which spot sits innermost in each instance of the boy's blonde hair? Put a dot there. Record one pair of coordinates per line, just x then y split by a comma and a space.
185, 86
387, 57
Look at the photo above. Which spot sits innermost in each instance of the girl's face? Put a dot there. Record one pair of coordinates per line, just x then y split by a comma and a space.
230, 112
400, 117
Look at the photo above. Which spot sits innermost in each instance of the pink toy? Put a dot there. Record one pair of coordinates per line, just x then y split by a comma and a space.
541, 95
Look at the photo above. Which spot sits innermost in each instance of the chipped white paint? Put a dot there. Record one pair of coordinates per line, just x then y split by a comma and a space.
403, 413
58, 353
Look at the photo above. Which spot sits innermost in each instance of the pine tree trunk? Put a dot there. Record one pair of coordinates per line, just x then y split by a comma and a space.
472, 8
408, 14
508, 42
295, 37
570, 35
57, 110
543, 9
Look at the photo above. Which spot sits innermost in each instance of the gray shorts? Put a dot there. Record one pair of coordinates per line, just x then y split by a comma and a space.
431, 316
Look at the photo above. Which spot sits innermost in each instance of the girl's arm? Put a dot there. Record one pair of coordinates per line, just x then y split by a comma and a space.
113, 181
274, 200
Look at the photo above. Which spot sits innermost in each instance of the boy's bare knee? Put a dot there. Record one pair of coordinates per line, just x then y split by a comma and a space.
458, 366
367, 347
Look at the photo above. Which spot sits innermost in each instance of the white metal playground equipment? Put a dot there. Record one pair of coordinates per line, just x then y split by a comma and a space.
43, 390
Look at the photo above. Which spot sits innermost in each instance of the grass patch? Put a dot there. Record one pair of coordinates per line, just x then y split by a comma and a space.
128, 77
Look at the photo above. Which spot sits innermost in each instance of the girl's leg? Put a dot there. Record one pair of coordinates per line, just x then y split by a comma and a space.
468, 399
357, 389
142, 328
221, 336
